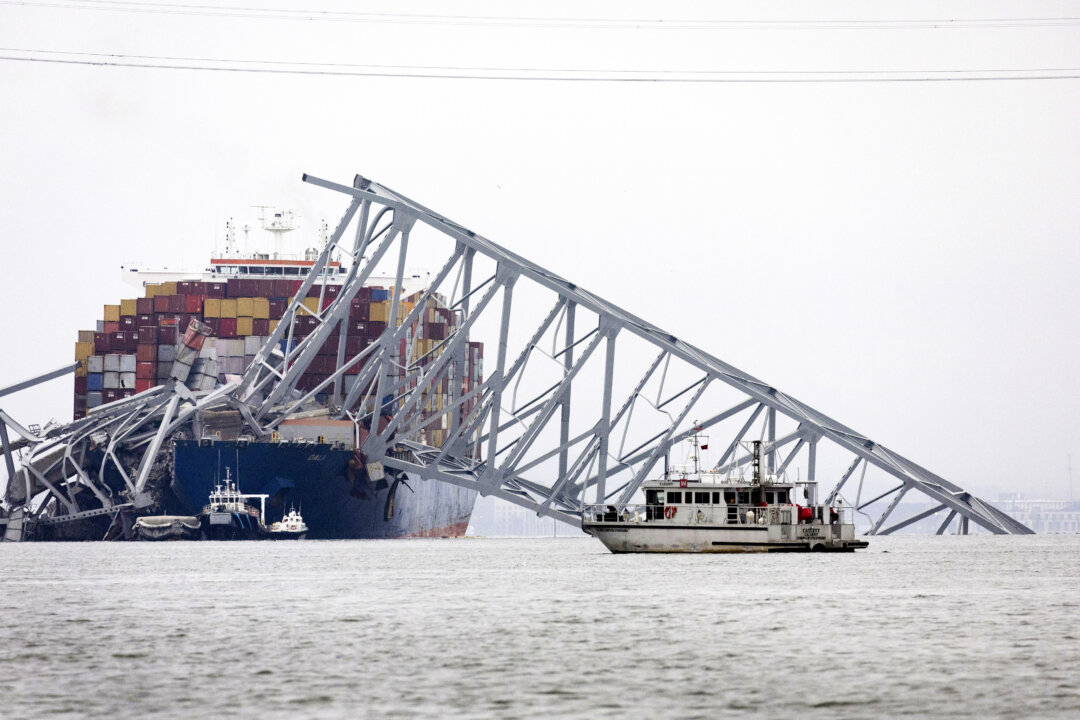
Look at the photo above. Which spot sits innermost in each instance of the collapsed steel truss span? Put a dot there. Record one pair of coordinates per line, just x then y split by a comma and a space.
581, 403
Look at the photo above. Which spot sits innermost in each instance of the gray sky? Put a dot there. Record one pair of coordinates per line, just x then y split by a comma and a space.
902, 255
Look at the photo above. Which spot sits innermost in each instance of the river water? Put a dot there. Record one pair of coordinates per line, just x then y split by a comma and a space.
954, 627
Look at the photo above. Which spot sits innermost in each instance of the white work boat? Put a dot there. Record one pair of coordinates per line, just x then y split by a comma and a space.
701, 512
291, 527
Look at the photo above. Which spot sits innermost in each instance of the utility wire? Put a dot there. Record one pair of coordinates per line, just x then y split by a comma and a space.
609, 23
534, 74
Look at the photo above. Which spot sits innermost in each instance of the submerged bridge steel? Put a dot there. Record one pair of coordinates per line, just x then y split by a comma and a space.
606, 402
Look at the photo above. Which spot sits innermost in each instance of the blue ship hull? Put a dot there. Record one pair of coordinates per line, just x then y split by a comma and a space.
316, 477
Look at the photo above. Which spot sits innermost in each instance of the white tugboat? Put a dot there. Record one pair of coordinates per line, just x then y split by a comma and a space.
709, 512
229, 517
291, 527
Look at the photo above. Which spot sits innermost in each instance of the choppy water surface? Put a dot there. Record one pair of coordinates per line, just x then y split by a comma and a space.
951, 627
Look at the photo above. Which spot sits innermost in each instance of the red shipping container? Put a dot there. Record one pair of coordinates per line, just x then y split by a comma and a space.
166, 335
183, 287
142, 321
375, 328
227, 327
102, 343
117, 340
214, 324
146, 370
197, 288
127, 393
80, 385
110, 395
332, 290
277, 308
176, 303
161, 303
127, 322
215, 290
265, 287
112, 327
142, 384
148, 335
193, 303
282, 288
364, 293
294, 287
146, 353
249, 287
232, 288
327, 301
260, 327
144, 306
354, 345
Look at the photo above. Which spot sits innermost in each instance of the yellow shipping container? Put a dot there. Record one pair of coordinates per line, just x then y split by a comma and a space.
379, 311
153, 290
228, 308
83, 350
312, 304
86, 336
81, 370
260, 308
243, 307
243, 326
273, 325
127, 307
112, 313
212, 308
167, 288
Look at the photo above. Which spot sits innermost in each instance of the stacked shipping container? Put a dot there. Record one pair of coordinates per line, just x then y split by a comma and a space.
135, 346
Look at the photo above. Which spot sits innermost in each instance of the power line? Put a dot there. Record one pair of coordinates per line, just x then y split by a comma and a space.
535, 74
610, 23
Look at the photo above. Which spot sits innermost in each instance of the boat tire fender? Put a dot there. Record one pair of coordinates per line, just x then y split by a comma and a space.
669, 511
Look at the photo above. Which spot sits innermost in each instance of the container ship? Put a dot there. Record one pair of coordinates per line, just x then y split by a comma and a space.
314, 461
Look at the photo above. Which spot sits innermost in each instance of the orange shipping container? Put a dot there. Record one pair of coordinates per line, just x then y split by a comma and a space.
260, 308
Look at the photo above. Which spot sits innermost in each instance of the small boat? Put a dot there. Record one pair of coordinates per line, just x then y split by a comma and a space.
228, 516
700, 512
168, 527
291, 527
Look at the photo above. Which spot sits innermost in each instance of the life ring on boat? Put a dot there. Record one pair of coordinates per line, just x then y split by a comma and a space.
669, 511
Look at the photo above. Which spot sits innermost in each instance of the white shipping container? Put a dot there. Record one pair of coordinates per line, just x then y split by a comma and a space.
205, 366
208, 352
166, 353
110, 381
93, 399
127, 364
234, 365
180, 371
252, 344
236, 348
95, 364
127, 381
112, 363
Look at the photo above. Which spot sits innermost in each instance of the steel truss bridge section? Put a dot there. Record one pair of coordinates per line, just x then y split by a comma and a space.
579, 403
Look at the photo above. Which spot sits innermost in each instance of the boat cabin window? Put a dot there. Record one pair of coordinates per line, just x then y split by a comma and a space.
744, 497
782, 497
701, 498
729, 496
716, 498
674, 497
650, 497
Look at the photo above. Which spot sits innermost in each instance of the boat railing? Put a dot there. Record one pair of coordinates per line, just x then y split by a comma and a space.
732, 514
